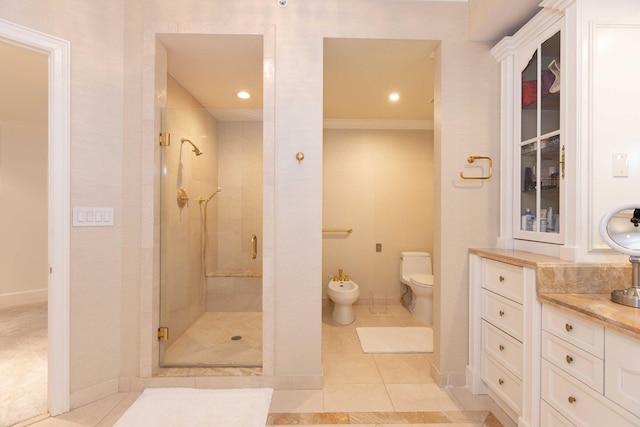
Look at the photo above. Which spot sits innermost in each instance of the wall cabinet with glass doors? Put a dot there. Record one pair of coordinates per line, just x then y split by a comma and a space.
539, 150
534, 143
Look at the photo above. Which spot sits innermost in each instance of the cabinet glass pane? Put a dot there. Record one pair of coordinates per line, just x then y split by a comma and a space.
549, 184
529, 111
550, 85
528, 185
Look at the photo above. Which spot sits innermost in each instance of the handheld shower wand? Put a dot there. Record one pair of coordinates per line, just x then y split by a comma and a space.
205, 201
195, 148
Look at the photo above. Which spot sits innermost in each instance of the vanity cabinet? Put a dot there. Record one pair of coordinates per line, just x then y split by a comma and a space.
587, 373
504, 338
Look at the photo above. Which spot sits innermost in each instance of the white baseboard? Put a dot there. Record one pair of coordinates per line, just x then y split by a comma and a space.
294, 382
21, 298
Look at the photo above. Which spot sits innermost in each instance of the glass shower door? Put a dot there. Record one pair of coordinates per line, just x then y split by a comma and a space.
210, 233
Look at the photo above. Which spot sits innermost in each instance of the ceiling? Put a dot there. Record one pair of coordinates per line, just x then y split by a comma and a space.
358, 73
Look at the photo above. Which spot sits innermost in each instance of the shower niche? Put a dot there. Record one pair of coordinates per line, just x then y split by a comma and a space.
210, 240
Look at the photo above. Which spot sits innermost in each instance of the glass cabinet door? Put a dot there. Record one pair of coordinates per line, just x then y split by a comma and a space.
540, 150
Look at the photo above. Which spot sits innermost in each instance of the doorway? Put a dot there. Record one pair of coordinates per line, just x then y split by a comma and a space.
378, 174
56, 267
211, 202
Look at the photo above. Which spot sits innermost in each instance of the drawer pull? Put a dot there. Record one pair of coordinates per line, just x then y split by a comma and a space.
571, 399
501, 313
569, 359
568, 327
501, 278
500, 381
501, 347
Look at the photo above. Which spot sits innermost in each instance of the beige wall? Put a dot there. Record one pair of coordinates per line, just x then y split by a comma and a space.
23, 176
380, 183
23, 212
113, 163
97, 178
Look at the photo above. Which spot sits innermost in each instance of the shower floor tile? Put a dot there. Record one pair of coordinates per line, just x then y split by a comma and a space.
210, 341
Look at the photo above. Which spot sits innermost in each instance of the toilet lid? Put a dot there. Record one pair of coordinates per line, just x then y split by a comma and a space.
422, 279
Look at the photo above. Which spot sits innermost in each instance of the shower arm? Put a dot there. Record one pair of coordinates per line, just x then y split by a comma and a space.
205, 201
195, 147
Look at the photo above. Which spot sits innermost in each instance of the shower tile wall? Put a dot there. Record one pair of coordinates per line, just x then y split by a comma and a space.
236, 285
240, 203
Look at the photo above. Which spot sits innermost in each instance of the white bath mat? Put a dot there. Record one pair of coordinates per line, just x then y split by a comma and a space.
396, 339
170, 407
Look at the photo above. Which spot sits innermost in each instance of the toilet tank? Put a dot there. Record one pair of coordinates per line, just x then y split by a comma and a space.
414, 263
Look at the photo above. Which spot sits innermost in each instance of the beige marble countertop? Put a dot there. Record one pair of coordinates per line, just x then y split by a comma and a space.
583, 288
598, 307
519, 258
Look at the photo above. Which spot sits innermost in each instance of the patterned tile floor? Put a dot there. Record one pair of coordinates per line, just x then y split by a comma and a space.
367, 390
379, 390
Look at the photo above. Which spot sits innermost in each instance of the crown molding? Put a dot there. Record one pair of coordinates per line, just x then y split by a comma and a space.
378, 124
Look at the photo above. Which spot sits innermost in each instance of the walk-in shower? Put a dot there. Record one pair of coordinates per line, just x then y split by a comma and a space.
210, 263
210, 259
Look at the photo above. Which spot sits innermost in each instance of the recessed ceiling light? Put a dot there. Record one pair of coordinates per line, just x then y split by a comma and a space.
394, 97
244, 95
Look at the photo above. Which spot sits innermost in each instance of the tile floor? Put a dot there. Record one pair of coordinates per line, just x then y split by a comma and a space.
381, 390
219, 339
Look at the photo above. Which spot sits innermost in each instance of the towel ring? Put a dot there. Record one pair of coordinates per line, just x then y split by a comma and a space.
472, 159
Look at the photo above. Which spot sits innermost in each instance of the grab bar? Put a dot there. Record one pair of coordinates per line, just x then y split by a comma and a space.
254, 245
337, 230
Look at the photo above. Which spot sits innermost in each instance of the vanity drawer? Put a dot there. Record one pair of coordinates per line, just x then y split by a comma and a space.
502, 313
504, 279
505, 349
549, 417
502, 382
582, 333
622, 364
579, 404
578, 363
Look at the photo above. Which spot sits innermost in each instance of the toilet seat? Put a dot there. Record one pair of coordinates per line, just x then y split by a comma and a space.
423, 280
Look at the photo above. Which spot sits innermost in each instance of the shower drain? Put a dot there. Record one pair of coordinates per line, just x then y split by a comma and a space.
236, 338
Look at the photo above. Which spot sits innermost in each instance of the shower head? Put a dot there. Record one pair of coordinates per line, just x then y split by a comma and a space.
195, 148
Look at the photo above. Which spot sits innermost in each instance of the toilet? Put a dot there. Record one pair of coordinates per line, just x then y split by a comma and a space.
343, 293
416, 273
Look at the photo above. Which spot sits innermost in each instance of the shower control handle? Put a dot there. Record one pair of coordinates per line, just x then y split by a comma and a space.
182, 198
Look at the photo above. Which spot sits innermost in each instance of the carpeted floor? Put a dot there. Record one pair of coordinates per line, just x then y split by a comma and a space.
23, 362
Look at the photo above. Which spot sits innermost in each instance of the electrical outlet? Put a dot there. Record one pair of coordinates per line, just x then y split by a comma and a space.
378, 247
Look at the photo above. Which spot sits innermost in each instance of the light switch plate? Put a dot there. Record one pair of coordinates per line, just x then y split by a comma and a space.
92, 217
621, 164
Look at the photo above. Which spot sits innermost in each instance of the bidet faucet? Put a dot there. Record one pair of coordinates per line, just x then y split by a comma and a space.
340, 274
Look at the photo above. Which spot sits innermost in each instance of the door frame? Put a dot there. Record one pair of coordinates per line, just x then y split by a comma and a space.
59, 83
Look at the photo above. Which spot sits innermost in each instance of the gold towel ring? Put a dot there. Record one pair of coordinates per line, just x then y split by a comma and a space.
472, 159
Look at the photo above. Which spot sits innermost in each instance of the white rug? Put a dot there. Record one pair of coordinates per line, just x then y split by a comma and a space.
396, 339
172, 407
